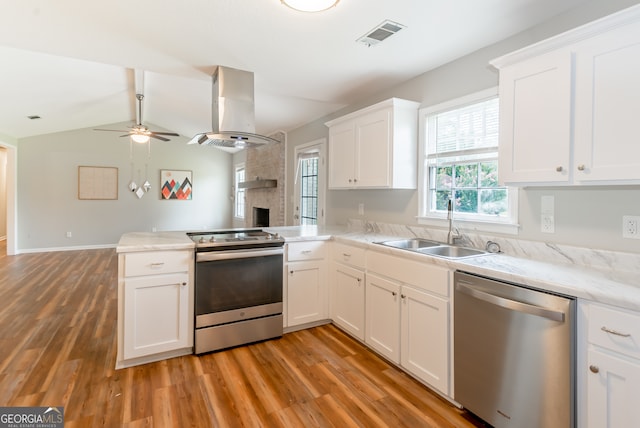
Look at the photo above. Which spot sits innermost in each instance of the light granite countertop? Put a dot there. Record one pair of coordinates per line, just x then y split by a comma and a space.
149, 241
616, 282
605, 285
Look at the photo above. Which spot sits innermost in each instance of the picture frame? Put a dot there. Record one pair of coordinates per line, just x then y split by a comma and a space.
176, 185
97, 183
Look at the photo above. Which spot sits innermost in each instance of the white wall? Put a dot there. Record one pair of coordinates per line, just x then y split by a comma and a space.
47, 189
589, 217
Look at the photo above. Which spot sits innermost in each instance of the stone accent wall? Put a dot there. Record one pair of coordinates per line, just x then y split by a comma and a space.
266, 162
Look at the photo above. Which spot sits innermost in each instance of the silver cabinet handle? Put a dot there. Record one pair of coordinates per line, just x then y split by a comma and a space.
157, 265
346, 255
594, 369
394, 294
512, 304
581, 167
306, 251
183, 284
402, 296
615, 332
350, 180
559, 168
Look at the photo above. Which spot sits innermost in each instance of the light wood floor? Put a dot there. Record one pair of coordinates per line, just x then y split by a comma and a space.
58, 348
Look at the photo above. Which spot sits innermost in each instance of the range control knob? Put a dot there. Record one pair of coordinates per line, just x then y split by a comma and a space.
201, 240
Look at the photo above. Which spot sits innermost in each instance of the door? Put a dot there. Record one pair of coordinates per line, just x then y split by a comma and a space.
425, 337
607, 105
347, 300
306, 293
613, 390
383, 317
310, 179
373, 149
535, 120
156, 310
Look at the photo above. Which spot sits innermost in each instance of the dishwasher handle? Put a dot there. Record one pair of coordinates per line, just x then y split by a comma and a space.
513, 305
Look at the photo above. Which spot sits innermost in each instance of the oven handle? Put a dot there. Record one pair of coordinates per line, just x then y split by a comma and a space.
212, 256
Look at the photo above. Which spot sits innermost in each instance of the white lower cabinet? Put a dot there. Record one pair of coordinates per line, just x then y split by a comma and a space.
383, 317
306, 292
157, 312
347, 288
612, 367
425, 337
408, 316
347, 299
155, 306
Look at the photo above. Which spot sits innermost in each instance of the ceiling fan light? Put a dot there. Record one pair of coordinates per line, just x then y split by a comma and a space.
137, 138
310, 5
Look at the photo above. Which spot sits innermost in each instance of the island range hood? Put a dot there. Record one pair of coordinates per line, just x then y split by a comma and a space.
233, 113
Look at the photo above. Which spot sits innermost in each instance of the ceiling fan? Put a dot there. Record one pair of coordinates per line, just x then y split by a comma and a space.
140, 133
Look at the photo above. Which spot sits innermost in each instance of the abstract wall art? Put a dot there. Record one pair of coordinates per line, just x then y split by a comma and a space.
175, 184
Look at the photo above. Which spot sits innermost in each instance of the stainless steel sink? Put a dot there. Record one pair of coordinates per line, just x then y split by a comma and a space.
410, 244
433, 248
451, 251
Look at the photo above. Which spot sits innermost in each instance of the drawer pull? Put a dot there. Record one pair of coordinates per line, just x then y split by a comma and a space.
306, 251
157, 265
346, 255
594, 369
617, 333
559, 168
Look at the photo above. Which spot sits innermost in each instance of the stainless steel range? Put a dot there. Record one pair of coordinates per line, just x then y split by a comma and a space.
238, 288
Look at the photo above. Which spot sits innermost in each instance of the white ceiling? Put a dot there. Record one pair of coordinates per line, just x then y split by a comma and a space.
71, 61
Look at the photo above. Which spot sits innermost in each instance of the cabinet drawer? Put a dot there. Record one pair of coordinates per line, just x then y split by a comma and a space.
615, 329
157, 262
349, 255
308, 250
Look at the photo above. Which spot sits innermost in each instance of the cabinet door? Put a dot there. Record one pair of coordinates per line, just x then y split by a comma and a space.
306, 293
347, 299
383, 317
342, 149
373, 149
607, 105
535, 120
156, 314
612, 391
425, 337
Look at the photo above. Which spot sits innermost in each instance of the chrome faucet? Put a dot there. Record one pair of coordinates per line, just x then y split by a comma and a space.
453, 232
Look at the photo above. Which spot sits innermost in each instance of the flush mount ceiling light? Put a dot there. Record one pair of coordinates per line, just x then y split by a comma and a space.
310, 5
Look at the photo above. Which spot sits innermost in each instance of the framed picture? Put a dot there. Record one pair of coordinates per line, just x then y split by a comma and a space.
175, 184
97, 182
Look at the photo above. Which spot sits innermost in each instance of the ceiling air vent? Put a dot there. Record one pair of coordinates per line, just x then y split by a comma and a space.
380, 33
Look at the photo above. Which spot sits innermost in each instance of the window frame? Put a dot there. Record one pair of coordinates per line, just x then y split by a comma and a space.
237, 191
507, 225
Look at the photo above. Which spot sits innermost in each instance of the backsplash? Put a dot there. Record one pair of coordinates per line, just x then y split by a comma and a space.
541, 251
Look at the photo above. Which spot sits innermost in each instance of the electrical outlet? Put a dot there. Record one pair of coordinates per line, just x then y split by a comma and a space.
547, 224
631, 227
360, 208
69, 234
547, 210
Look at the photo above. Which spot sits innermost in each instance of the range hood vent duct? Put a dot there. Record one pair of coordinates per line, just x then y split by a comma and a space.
233, 113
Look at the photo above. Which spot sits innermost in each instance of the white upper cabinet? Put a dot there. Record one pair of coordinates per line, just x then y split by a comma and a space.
567, 106
376, 147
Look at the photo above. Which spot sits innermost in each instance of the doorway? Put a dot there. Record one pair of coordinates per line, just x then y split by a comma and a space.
8, 196
309, 183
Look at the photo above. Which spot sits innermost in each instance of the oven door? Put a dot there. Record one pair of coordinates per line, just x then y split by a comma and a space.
236, 285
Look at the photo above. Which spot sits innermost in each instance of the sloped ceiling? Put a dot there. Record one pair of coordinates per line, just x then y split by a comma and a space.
71, 62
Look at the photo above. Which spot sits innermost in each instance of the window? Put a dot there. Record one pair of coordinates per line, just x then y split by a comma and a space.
309, 183
239, 193
460, 162
309, 190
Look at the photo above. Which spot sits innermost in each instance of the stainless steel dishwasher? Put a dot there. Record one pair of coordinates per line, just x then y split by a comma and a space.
514, 353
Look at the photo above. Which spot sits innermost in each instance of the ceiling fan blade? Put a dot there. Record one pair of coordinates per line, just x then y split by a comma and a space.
125, 135
173, 134
159, 137
112, 130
